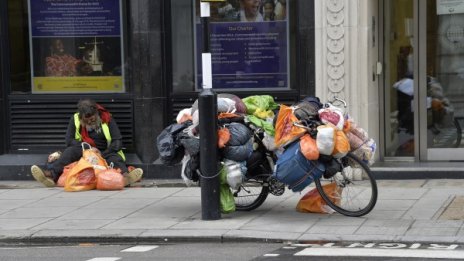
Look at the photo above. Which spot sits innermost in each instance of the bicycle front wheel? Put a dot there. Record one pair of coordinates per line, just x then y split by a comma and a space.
252, 193
355, 194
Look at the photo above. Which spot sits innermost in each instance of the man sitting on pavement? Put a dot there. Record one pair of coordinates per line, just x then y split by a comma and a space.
93, 124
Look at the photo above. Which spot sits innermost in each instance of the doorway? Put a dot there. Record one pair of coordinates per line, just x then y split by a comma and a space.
423, 84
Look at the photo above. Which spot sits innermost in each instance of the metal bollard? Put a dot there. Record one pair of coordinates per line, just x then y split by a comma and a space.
207, 106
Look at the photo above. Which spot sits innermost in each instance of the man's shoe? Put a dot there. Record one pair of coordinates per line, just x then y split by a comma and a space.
41, 177
133, 176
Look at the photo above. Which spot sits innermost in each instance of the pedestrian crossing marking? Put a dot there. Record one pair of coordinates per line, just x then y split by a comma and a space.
412, 253
139, 249
104, 259
272, 255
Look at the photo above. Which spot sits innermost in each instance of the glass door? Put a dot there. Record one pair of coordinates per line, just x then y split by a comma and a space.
441, 82
399, 116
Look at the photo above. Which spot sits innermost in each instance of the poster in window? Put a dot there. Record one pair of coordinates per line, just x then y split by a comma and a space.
248, 44
446, 7
76, 46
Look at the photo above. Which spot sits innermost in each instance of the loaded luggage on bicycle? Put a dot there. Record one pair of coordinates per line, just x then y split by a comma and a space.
264, 146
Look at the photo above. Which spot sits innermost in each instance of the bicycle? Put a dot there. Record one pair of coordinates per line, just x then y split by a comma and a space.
355, 180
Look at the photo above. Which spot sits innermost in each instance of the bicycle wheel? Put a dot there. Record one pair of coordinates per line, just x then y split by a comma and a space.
356, 193
252, 193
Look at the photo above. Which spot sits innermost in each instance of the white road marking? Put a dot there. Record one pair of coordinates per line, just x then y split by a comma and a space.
104, 259
139, 249
360, 252
289, 247
272, 255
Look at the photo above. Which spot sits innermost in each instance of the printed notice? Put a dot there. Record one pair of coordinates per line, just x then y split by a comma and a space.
246, 53
76, 46
450, 7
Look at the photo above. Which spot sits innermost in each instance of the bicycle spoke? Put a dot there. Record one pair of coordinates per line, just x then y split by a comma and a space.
358, 192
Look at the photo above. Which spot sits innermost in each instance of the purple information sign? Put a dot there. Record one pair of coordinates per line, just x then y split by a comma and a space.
248, 45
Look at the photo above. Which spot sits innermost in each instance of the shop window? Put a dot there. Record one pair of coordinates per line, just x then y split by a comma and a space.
250, 43
66, 46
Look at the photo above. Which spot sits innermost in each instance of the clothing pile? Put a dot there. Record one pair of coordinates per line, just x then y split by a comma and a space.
307, 137
237, 148
311, 136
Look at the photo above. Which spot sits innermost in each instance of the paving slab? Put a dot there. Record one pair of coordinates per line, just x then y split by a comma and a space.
387, 230
118, 203
20, 223
38, 212
297, 223
455, 210
395, 204
432, 231
335, 230
16, 234
102, 213
35, 194
73, 224
7, 204
141, 223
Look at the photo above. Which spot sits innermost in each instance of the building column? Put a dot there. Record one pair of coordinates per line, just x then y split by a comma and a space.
346, 53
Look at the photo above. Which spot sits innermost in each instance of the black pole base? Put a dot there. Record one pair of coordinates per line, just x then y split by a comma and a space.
207, 106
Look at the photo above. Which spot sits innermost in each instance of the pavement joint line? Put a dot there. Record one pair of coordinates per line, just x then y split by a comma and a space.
444, 207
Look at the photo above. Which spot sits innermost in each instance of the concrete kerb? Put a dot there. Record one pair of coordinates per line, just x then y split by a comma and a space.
128, 240
123, 240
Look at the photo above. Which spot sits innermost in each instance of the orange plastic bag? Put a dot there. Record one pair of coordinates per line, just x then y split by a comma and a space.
224, 115
312, 201
223, 137
110, 179
81, 177
93, 156
285, 131
308, 147
342, 145
65, 173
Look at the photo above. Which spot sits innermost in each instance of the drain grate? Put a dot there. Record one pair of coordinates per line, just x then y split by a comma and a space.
455, 210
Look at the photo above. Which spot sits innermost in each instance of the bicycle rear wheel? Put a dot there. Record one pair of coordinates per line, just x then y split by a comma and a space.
252, 193
356, 192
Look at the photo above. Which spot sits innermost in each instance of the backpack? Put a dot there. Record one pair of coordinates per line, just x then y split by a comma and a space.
168, 145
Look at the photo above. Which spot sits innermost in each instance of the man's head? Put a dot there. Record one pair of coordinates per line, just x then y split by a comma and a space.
88, 114
251, 7
57, 47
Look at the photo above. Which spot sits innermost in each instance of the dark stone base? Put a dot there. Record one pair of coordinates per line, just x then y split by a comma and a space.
18, 167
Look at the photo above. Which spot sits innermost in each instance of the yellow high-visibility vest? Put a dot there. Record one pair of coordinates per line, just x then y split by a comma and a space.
106, 132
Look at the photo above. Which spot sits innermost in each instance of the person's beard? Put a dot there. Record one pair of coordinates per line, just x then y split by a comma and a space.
95, 126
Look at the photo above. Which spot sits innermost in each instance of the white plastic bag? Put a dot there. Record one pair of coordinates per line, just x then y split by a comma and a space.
226, 105
268, 142
325, 139
234, 174
332, 115
184, 115
187, 181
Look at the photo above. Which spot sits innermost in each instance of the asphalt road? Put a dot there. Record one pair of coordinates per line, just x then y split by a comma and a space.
218, 251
